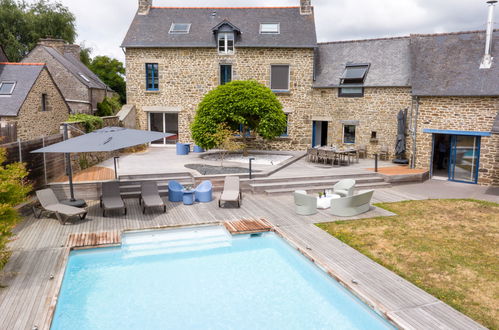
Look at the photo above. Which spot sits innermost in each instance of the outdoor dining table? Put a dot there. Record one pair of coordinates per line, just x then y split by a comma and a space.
344, 155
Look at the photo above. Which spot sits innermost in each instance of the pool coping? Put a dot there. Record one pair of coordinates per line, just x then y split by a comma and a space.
273, 228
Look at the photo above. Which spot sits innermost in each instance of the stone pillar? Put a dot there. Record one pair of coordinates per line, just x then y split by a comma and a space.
73, 50
57, 44
306, 7
144, 7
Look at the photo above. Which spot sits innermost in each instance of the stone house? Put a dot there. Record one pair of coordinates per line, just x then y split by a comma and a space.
3, 56
30, 97
82, 89
345, 93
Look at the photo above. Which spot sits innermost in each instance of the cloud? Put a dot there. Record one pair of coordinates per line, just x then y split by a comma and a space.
102, 24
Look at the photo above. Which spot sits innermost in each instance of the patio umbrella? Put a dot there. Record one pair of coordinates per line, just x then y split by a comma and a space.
105, 139
400, 146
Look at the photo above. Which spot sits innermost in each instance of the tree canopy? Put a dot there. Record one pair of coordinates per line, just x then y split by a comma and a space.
246, 103
22, 25
111, 72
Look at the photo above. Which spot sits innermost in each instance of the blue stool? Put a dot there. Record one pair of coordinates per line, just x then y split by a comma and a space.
188, 197
183, 148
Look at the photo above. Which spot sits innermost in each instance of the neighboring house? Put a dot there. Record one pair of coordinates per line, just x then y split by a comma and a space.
3, 56
82, 89
30, 98
174, 56
345, 93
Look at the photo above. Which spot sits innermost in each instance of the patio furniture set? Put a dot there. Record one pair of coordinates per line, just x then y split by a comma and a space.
333, 156
341, 200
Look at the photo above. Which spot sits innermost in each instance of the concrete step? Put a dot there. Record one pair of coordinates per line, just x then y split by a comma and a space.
315, 177
298, 184
155, 176
318, 188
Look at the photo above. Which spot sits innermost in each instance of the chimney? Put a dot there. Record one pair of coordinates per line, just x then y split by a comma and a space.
306, 7
144, 7
57, 44
74, 50
487, 58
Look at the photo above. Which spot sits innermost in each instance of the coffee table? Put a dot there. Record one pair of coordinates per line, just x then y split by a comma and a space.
325, 201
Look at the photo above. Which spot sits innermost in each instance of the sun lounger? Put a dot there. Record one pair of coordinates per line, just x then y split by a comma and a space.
111, 197
305, 204
50, 203
149, 196
231, 192
353, 205
344, 187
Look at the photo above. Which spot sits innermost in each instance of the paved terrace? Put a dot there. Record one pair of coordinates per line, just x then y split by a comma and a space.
40, 248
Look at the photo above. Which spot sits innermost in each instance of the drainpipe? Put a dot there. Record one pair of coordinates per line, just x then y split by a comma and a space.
415, 100
487, 58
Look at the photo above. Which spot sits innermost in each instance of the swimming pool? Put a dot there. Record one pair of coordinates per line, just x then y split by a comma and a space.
204, 278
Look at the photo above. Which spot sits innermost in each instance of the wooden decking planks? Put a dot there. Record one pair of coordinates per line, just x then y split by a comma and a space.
41, 246
93, 239
94, 173
248, 226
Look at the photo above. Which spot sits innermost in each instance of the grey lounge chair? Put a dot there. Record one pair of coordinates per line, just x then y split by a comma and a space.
149, 196
111, 197
344, 187
353, 205
50, 203
231, 192
305, 204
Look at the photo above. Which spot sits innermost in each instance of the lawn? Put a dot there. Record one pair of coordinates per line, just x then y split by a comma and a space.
449, 248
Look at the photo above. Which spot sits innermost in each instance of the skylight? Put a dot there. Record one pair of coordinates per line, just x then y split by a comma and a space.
269, 28
84, 77
180, 28
354, 73
7, 87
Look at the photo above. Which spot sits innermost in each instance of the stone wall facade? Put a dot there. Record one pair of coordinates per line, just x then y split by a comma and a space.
32, 122
460, 114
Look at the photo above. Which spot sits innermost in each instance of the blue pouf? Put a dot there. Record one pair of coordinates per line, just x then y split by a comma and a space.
198, 149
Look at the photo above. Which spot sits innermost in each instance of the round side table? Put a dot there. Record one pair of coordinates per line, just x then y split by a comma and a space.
188, 197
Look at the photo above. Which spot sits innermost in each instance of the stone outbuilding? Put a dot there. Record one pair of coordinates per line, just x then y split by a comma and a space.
82, 89
30, 98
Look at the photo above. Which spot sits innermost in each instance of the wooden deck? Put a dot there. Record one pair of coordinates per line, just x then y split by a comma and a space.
40, 249
248, 226
398, 170
94, 173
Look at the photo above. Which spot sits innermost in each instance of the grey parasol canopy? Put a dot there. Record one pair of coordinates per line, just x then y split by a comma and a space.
400, 146
105, 139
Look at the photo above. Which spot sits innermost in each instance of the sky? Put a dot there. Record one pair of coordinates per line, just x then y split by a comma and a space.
102, 24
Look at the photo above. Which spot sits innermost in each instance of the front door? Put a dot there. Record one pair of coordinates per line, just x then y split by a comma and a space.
465, 155
319, 133
164, 123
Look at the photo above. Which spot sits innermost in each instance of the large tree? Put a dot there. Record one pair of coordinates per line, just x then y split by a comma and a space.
111, 72
22, 25
246, 103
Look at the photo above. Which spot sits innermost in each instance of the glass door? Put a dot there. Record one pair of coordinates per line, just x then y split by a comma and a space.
164, 123
157, 124
465, 155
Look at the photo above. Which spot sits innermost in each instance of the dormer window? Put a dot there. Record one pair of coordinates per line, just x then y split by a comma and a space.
352, 80
226, 43
269, 28
7, 87
180, 28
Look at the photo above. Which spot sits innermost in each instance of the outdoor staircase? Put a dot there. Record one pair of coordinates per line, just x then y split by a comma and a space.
270, 185
130, 184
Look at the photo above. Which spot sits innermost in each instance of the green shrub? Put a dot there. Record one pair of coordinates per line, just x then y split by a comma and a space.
108, 106
246, 103
90, 122
13, 191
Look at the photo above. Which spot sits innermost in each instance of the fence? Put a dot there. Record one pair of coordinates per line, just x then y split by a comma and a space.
42, 167
8, 132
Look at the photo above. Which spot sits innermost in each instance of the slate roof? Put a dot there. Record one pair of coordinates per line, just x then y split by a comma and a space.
3, 57
449, 65
389, 61
25, 76
75, 66
151, 30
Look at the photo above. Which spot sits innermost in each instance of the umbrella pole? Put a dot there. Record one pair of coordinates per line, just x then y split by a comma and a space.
69, 167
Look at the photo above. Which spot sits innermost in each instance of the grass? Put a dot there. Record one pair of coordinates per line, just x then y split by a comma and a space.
449, 248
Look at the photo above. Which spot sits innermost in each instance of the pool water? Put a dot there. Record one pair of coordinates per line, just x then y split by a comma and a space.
204, 278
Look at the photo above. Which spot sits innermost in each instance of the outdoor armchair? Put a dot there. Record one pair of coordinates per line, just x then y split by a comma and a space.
204, 192
175, 193
149, 196
111, 197
344, 187
353, 205
305, 204
231, 192
50, 203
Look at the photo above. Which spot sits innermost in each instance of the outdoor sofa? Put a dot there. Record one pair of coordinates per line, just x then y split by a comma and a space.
352, 205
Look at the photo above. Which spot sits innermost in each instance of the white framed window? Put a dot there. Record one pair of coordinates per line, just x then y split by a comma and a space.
84, 77
7, 87
279, 78
226, 43
180, 28
270, 28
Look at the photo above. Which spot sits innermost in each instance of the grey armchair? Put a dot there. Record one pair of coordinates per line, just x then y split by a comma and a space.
344, 187
305, 204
